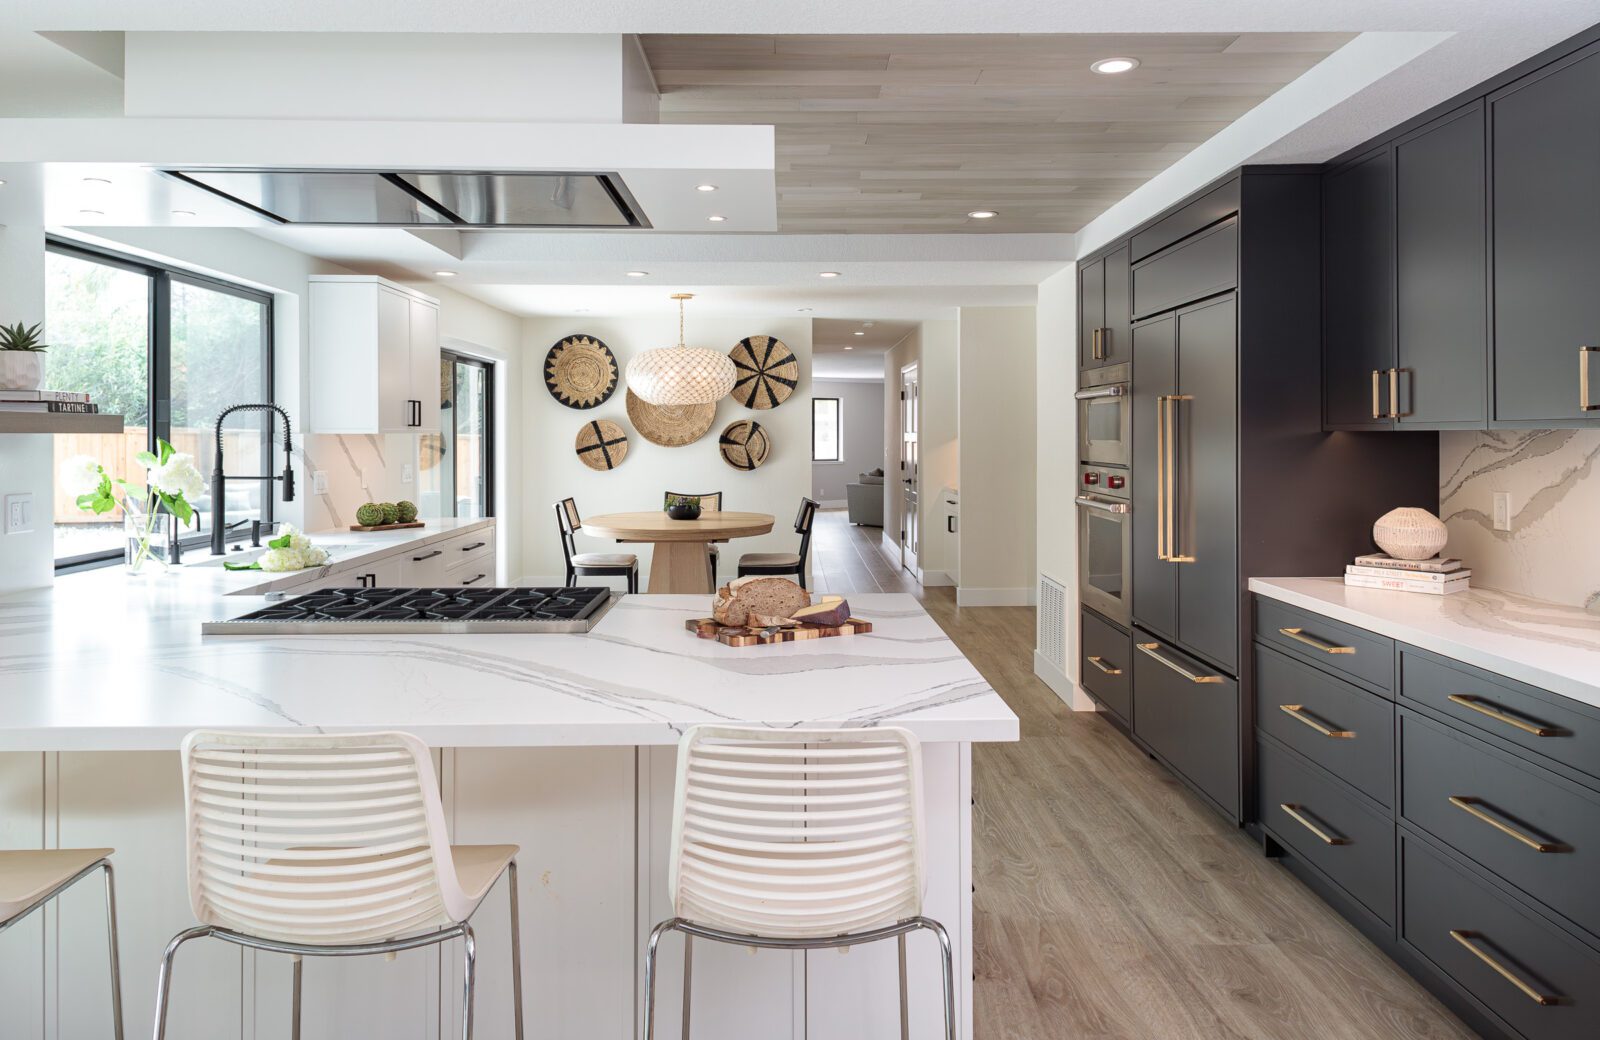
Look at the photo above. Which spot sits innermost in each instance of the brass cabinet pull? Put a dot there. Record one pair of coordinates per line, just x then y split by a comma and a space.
1465, 939
1161, 479
1150, 650
1583, 378
1322, 835
1394, 393
1299, 636
1100, 663
1094, 344
1470, 807
1172, 479
1377, 407
1471, 703
1297, 712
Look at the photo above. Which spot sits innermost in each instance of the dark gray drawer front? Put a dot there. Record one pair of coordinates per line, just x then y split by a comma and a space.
1341, 727
1193, 725
1346, 840
1330, 644
1199, 267
1539, 832
1514, 949
1106, 666
1222, 201
1503, 708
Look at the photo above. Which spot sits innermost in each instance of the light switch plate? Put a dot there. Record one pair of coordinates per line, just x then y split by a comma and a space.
19, 513
319, 482
1502, 510
407, 473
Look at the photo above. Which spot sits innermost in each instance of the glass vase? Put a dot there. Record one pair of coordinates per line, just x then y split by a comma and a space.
149, 537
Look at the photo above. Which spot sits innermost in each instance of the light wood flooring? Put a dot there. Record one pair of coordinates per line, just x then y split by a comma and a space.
1109, 902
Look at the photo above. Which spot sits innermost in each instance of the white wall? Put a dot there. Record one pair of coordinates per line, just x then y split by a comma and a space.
861, 427
998, 478
940, 444
551, 469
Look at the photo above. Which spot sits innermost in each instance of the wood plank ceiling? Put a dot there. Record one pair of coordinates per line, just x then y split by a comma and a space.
892, 134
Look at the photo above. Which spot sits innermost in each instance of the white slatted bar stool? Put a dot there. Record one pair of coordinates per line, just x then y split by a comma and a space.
797, 840
30, 878
330, 846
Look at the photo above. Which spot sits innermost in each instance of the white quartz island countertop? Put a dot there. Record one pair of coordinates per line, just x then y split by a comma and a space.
104, 662
1554, 647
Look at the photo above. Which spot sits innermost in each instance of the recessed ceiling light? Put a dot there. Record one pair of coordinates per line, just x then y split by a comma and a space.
860, 333
983, 214
95, 180
716, 218
637, 274
868, 324
705, 187
183, 212
828, 274
1112, 66
91, 213
802, 310
444, 274
849, 348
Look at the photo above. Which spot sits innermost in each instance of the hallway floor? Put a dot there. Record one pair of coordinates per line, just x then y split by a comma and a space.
1109, 902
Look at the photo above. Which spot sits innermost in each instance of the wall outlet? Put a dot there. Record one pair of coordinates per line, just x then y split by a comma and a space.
19, 513
319, 482
407, 473
1502, 510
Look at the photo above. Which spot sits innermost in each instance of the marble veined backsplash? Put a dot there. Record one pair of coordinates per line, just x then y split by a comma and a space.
1552, 551
379, 461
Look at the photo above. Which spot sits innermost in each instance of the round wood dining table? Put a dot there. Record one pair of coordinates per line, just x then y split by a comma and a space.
678, 562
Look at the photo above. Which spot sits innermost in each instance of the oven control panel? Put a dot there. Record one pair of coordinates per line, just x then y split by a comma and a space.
1103, 480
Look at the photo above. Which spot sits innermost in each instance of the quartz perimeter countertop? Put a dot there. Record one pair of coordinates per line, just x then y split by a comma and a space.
102, 662
1554, 647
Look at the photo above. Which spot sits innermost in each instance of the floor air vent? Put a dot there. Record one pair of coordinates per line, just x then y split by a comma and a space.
1053, 621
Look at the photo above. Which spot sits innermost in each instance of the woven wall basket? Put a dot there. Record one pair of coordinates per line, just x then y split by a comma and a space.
601, 445
580, 372
745, 444
768, 372
671, 426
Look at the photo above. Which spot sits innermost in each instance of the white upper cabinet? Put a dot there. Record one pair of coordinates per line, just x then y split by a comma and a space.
374, 357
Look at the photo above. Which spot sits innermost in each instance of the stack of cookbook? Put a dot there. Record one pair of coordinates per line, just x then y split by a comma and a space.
47, 401
1438, 576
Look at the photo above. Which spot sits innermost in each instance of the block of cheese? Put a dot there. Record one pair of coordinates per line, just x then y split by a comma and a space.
829, 610
763, 596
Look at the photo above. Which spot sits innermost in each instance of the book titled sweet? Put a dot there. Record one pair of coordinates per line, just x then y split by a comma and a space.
1423, 577
1439, 564
1399, 584
43, 395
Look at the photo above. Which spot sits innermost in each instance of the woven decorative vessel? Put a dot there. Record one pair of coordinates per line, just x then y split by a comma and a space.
1410, 534
580, 372
671, 426
745, 444
768, 372
601, 444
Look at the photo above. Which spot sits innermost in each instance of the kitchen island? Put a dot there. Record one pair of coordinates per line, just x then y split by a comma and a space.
564, 744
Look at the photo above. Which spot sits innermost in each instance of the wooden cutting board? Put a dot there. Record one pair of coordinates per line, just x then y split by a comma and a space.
389, 527
736, 635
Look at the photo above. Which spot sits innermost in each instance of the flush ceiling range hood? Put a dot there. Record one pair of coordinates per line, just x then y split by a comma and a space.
412, 199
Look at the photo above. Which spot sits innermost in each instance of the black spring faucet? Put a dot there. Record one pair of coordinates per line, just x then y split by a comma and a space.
219, 482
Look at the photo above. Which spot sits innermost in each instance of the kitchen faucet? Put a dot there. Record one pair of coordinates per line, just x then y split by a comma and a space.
219, 481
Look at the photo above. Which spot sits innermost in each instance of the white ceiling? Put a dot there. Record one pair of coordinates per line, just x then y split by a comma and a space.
838, 352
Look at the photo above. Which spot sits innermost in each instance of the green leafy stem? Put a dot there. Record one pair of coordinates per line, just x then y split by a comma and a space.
103, 499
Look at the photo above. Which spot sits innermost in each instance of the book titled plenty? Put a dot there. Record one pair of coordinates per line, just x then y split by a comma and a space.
1398, 583
24, 396
1422, 577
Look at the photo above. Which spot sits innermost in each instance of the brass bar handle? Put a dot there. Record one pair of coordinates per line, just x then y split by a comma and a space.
1299, 636
1298, 713
1105, 344
1149, 649
1465, 939
1377, 406
1583, 378
1471, 704
1322, 835
1100, 663
1161, 479
1394, 394
1172, 479
1470, 805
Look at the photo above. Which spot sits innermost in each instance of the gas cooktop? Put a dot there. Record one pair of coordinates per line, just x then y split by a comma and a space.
457, 610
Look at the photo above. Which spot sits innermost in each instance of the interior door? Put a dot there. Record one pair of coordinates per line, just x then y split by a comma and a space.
910, 461
1155, 376
1206, 481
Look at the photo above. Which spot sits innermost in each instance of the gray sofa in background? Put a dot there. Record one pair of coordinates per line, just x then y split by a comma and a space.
865, 499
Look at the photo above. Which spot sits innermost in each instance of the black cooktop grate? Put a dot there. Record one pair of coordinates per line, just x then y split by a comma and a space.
486, 604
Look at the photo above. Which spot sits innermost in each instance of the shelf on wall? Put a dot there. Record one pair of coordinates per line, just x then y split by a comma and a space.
58, 422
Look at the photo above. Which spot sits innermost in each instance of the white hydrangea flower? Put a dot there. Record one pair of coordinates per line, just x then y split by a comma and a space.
178, 476
79, 475
278, 560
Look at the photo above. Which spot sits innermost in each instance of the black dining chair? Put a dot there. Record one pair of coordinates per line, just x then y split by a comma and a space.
712, 501
605, 565
785, 563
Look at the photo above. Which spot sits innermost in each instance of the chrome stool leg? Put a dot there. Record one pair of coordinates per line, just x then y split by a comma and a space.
295, 1003
468, 962
688, 984
905, 1001
516, 950
164, 977
949, 974
116, 963
650, 975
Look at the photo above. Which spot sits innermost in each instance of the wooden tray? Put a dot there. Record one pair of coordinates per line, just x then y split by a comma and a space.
735, 635
389, 527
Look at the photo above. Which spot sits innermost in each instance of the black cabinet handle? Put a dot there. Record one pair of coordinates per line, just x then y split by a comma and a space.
479, 577
474, 545
429, 556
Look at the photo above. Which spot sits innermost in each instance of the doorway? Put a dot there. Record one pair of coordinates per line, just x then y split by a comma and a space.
466, 436
910, 462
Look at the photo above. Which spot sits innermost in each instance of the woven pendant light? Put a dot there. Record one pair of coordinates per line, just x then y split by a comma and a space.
681, 375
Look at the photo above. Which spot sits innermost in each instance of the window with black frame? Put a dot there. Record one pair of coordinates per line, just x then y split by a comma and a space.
458, 462
168, 350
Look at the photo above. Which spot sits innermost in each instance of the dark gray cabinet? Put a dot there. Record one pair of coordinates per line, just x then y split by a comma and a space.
1188, 714
1358, 292
1104, 310
1546, 223
1155, 580
1107, 668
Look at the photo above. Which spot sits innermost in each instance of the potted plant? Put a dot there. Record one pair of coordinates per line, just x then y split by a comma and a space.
683, 507
21, 357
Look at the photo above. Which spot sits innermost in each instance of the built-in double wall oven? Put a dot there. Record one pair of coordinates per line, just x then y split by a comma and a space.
1105, 531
